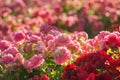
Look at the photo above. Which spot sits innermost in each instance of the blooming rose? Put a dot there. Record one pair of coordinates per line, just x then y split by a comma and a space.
19, 36
10, 50
63, 39
7, 59
34, 62
4, 45
61, 55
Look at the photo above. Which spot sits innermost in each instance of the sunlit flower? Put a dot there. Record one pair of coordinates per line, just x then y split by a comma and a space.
61, 55
34, 62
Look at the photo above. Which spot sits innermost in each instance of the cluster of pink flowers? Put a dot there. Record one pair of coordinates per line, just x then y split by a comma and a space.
29, 49
61, 45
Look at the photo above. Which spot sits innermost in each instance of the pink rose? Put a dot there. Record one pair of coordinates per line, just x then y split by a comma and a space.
63, 39
11, 50
61, 55
4, 45
19, 36
34, 62
8, 58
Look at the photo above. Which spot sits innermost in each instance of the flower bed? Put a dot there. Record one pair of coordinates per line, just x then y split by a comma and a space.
59, 40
